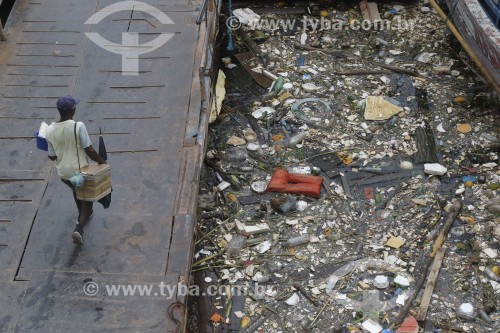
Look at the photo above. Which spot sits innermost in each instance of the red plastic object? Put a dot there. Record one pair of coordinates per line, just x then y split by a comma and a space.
369, 193
410, 325
284, 182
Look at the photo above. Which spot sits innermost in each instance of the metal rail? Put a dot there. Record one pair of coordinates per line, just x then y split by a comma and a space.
212, 8
203, 12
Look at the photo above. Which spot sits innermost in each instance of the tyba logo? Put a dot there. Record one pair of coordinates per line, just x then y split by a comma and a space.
129, 49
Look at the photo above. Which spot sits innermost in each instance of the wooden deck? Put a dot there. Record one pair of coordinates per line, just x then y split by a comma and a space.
153, 125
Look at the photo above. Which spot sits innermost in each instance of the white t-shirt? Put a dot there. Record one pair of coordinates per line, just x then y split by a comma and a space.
61, 142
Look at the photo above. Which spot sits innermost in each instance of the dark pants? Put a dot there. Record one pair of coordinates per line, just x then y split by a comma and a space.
84, 207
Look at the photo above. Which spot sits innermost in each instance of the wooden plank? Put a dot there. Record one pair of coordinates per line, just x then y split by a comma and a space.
450, 219
20, 215
363, 5
132, 236
21, 189
31, 92
188, 180
52, 11
57, 302
374, 13
246, 59
19, 127
431, 283
16, 175
181, 248
23, 155
11, 297
430, 254
173, 5
12, 69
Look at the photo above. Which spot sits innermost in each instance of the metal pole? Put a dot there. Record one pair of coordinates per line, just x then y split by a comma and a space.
2, 35
202, 13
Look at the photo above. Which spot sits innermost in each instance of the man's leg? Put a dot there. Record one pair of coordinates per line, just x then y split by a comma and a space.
86, 212
78, 205
77, 202
85, 215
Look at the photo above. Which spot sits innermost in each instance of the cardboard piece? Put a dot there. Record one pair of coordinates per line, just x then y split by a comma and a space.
377, 108
395, 242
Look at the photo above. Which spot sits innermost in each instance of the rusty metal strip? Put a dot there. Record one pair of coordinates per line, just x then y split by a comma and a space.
17, 137
48, 66
138, 87
22, 118
131, 118
38, 86
121, 71
21, 179
132, 151
25, 74
16, 200
46, 43
32, 97
45, 55
110, 133
151, 58
115, 102
45, 31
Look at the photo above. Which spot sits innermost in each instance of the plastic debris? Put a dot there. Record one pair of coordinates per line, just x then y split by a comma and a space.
217, 318
464, 128
466, 309
371, 326
252, 229
377, 108
297, 241
395, 242
381, 282
236, 141
284, 204
284, 182
410, 325
396, 128
435, 169
259, 186
310, 87
293, 300
262, 112
246, 16
402, 281
220, 94
235, 245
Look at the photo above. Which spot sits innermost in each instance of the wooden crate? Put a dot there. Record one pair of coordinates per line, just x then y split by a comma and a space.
97, 182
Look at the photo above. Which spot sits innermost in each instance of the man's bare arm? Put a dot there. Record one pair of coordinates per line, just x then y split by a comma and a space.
94, 155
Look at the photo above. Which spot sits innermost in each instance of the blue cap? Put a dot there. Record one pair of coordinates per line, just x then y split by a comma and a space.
67, 103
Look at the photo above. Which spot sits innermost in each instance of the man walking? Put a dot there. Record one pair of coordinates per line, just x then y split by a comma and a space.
70, 156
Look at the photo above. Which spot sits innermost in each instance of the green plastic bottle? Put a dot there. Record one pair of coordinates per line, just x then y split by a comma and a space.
278, 85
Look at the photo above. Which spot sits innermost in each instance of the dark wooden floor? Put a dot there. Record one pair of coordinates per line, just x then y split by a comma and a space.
148, 121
